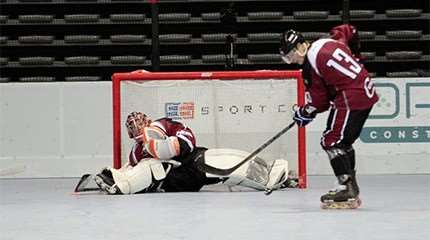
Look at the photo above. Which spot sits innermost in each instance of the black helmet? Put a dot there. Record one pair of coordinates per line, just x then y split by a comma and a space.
289, 41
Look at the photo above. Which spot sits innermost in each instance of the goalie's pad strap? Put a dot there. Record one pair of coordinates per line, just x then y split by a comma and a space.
158, 171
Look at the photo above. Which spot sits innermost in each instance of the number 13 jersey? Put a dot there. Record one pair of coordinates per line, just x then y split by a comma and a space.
334, 77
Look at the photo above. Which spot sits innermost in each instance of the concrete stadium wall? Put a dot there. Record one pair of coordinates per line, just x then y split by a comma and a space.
65, 130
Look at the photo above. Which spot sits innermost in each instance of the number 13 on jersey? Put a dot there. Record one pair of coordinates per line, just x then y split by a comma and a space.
339, 56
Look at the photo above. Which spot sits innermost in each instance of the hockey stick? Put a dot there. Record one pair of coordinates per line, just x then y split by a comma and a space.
83, 182
202, 166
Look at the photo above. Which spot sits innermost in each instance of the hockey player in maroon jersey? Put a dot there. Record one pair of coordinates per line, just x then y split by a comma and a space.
337, 82
163, 159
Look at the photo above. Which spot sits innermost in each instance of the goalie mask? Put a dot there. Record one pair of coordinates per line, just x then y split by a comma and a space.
135, 123
289, 45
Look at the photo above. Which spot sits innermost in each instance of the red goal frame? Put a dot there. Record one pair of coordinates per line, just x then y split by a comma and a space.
140, 75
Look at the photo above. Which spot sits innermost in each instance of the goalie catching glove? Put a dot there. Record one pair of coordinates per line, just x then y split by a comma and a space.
303, 115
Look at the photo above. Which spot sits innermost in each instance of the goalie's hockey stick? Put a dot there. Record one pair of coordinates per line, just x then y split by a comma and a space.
224, 172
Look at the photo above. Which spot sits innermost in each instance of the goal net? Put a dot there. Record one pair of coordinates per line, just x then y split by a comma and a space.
231, 109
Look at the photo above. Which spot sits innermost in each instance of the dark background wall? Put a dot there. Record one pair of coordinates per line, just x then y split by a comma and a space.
88, 40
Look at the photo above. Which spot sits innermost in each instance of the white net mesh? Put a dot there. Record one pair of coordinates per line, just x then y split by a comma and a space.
240, 114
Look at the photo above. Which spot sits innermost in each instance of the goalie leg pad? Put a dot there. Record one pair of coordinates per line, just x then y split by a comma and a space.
253, 174
278, 174
139, 177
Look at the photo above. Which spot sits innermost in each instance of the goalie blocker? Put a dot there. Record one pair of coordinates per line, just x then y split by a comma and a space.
156, 175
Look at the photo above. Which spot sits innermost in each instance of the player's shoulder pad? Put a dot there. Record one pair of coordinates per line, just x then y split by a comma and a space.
314, 50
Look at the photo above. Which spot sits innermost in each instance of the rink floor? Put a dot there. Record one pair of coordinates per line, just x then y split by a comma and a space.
394, 207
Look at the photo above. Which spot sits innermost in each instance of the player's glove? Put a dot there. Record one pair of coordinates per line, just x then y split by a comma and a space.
304, 115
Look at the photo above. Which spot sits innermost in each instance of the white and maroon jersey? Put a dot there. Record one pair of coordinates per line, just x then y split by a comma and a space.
186, 138
334, 77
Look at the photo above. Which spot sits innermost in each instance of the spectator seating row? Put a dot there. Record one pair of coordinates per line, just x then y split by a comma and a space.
213, 16
204, 38
177, 59
412, 73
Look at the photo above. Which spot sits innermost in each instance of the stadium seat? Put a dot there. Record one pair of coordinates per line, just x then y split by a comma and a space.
263, 36
3, 39
35, 39
310, 14
81, 38
403, 55
368, 55
373, 74
37, 79
82, 60
367, 34
402, 74
175, 37
36, 60
403, 13
35, 18
4, 61
264, 58
265, 15
175, 59
404, 34
4, 79
81, 18
127, 38
216, 37
213, 16
423, 72
27, 1
314, 35
82, 78
4, 18
176, 17
215, 58
360, 13
127, 17
127, 59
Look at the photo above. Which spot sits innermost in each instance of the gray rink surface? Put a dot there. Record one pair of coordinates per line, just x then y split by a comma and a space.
394, 207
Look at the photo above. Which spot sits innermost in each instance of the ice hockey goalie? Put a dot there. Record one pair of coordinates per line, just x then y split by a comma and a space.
163, 159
